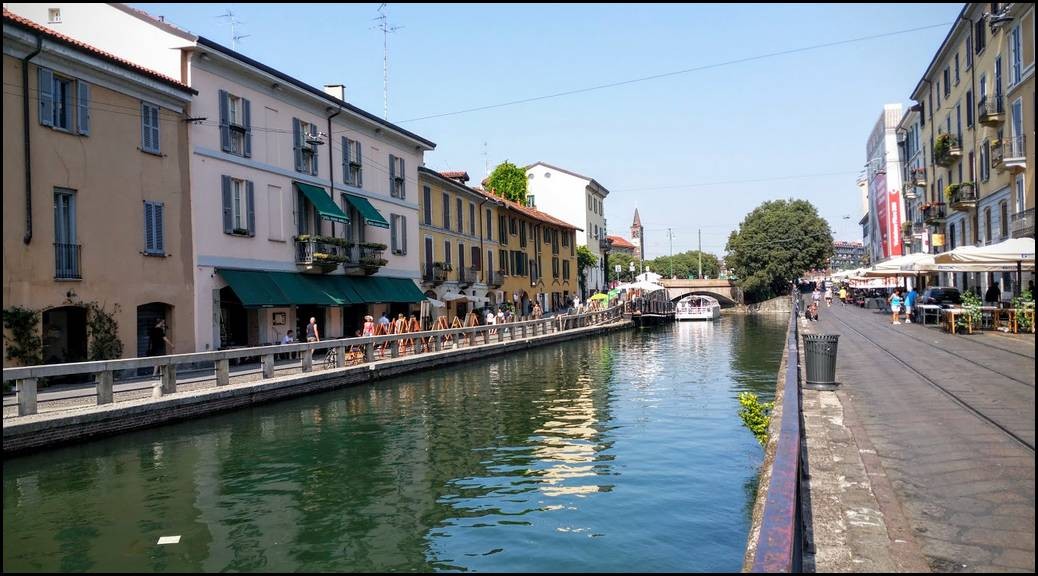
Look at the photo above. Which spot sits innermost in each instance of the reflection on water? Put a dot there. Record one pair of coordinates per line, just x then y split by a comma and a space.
621, 452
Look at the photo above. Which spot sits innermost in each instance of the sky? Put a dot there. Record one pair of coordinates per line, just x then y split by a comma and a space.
693, 151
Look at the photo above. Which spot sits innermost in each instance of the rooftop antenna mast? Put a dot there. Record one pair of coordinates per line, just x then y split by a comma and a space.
383, 25
234, 34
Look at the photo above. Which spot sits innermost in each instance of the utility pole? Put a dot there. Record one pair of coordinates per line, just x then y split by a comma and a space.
700, 253
386, 29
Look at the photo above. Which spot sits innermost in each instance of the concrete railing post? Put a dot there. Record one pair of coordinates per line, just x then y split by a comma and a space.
369, 351
268, 366
105, 381
501, 334
438, 342
26, 390
167, 383
308, 359
223, 372
524, 331
511, 332
394, 349
486, 335
340, 357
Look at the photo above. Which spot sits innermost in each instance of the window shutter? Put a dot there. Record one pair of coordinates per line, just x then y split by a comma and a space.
83, 107
313, 156
403, 179
475, 257
149, 227
403, 234
246, 112
145, 123
360, 165
228, 220
346, 161
250, 207
392, 175
393, 225
160, 244
297, 143
46, 89
225, 128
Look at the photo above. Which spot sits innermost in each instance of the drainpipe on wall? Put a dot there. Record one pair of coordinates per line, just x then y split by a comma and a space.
482, 253
25, 127
331, 166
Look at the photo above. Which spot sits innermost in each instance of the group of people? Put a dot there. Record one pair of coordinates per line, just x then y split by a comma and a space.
899, 299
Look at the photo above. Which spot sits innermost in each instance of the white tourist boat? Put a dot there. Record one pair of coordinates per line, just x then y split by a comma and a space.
697, 307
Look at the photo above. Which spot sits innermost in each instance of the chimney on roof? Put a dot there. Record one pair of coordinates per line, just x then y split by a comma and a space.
337, 90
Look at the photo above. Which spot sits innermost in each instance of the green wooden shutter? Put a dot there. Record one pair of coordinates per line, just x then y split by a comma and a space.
250, 207
225, 126
45, 87
246, 113
83, 107
228, 217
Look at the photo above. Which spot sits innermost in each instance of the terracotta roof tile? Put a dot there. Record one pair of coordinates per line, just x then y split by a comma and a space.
620, 242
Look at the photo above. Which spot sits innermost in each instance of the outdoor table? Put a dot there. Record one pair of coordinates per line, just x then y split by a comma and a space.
925, 311
949, 317
1012, 318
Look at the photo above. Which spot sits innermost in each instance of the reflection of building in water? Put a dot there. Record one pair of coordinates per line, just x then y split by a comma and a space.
569, 441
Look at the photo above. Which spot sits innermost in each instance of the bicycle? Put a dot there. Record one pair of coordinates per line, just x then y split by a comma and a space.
331, 359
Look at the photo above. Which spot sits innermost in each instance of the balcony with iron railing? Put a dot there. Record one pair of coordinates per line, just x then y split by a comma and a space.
435, 274
1021, 224
321, 253
365, 258
991, 111
946, 150
917, 177
66, 261
961, 197
1014, 153
934, 213
496, 278
467, 277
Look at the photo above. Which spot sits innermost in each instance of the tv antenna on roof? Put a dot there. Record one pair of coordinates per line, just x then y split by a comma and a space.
234, 35
386, 29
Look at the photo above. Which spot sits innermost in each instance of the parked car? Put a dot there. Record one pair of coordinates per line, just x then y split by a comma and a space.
943, 296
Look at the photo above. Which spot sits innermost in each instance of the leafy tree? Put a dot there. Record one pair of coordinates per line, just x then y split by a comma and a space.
777, 243
508, 181
624, 260
686, 265
25, 344
585, 259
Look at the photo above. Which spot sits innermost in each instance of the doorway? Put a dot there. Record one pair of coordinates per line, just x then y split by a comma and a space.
64, 335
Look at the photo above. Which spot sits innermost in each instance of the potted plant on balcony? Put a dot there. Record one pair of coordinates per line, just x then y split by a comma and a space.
906, 229
371, 264
949, 192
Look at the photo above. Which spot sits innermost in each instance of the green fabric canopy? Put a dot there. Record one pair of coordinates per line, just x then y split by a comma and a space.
258, 288
367, 211
322, 202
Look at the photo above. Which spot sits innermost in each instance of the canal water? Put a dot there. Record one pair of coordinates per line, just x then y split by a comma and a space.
621, 452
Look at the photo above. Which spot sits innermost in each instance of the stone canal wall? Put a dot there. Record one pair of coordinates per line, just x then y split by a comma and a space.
45, 430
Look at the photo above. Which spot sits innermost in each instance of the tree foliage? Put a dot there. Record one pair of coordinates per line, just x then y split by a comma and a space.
686, 265
24, 344
585, 259
776, 244
624, 260
508, 181
103, 329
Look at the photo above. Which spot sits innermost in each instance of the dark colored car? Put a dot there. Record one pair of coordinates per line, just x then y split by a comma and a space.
941, 295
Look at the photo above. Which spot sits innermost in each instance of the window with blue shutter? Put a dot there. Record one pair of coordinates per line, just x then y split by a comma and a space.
235, 125
250, 207
228, 211
297, 144
45, 87
403, 234
149, 128
246, 114
392, 175
394, 226
82, 107
225, 126
154, 243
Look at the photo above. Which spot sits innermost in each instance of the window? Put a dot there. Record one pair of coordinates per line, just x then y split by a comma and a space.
522, 233
457, 210
555, 268
979, 36
476, 264
951, 235
985, 160
396, 177
987, 225
446, 211
1003, 223
352, 165
150, 128
972, 161
969, 108
154, 243
937, 93
398, 233
502, 229
239, 213
513, 226
305, 140
57, 103
531, 201
502, 257
1020, 196
490, 261
490, 224
472, 219
589, 202
565, 239
956, 68
565, 269
54, 16
572, 243
461, 259
947, 81
1015, 57
447, 251
66, 250
427, 205
235, 125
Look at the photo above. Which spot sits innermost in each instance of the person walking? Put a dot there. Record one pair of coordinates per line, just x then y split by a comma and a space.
843, 295
369, 326
828, 297
910, 299
992, 295
312, 334
895, 306
157, 341
384, 321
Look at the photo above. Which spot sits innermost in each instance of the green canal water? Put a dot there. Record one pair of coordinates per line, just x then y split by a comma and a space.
621, 452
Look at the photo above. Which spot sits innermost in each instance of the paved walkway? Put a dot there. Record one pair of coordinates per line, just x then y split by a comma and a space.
941, 435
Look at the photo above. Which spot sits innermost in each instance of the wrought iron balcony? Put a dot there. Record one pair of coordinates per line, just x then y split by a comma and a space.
991, 111
435, 274
1014, 153
321, 253
467, 276
934, 213
918, 177
997, 154
1021, 224
963, 196
496, 278
946, 149
366, 258
66, 261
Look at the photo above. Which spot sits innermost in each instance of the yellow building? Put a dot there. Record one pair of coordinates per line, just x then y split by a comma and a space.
96, 203
478, 250
976, 107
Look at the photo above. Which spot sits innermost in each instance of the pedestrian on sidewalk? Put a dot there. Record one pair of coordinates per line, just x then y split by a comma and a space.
895, 306
157, 341
843, 295
910, 299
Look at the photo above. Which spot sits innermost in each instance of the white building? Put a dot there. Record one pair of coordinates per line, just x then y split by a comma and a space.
883, 166
292, 188
575, 198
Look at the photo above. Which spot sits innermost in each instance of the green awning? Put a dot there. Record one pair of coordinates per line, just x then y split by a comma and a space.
322, 202
370, 214
257, 288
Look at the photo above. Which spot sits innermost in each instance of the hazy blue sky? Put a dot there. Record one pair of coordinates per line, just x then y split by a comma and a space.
805, 113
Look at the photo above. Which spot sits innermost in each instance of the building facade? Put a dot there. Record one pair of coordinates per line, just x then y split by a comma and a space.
573, 197
96, 202
914, 233
976, 103
883, 174
847, 255
620, 245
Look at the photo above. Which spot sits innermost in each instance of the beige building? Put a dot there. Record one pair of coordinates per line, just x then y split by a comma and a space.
96, 203
976, 126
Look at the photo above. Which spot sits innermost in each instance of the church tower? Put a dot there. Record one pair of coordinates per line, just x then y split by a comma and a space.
637, 232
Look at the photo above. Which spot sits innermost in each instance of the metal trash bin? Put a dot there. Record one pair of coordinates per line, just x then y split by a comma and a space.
820, 356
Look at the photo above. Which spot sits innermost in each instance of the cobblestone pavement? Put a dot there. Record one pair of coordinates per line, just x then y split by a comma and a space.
944, 427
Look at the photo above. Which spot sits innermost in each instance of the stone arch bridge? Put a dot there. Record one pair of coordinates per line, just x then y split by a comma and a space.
726, 292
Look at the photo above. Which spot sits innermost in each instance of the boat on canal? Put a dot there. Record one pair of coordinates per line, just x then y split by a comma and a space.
697, 307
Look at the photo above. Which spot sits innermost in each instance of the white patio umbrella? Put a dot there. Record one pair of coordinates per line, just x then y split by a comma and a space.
1018, 252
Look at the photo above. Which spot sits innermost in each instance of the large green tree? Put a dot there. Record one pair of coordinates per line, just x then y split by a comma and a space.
585, 259
776, 244
624, 260
508, 181
686, 265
